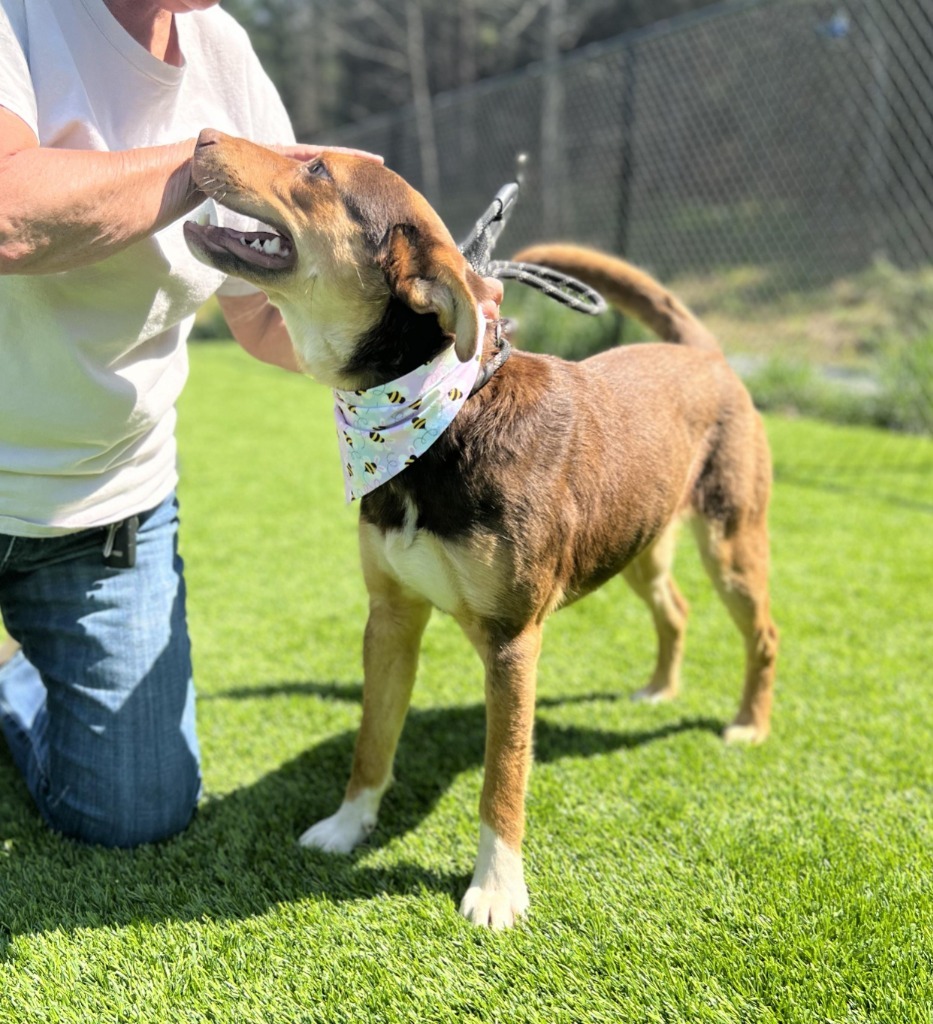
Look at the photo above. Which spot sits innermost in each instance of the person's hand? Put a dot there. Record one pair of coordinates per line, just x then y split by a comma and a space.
305, 151
493, 298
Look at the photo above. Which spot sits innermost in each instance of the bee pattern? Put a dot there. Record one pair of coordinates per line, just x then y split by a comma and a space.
385, 429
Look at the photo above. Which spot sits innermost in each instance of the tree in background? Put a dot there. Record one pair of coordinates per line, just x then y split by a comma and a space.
339, 62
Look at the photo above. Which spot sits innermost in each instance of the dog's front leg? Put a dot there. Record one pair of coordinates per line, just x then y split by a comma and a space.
497, 896
390, 660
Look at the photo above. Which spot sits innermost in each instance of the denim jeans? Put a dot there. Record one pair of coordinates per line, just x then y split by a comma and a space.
98, 706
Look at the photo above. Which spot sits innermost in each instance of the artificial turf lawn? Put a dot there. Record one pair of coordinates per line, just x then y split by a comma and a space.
672, 879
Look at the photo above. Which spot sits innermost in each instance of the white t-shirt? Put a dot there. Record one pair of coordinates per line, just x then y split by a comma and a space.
92, 360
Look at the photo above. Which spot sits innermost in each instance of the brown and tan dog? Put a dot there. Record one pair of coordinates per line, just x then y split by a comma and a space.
553, 478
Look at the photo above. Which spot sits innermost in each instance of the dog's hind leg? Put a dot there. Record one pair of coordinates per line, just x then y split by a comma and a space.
497, 895
391, 644
649, 575
737, 563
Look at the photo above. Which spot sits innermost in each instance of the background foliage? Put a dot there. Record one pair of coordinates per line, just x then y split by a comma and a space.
340, 62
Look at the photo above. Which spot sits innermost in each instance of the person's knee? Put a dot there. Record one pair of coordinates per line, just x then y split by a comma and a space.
133, 816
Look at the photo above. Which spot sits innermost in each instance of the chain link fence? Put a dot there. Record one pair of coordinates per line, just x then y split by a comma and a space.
768, 159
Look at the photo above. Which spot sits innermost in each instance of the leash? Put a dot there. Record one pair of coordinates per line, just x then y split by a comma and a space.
562, 288
479, 244
503, 351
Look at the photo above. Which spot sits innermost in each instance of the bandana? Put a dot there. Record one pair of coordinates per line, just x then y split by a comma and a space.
382, 430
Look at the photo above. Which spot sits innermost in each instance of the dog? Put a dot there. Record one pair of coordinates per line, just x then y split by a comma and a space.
550, 479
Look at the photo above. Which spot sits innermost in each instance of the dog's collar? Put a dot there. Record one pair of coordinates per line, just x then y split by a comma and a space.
382, 430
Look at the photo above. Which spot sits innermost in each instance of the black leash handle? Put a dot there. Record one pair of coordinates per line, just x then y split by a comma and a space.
556, 285
482, 239
479, 244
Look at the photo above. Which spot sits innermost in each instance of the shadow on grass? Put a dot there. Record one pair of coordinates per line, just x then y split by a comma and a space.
239, 856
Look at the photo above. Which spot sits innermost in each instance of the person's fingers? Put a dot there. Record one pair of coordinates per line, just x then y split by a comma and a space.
496, 291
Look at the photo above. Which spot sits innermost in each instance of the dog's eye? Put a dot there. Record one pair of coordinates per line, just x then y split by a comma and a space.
317, 169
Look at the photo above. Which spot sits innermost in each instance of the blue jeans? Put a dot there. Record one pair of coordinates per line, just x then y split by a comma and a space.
98, 707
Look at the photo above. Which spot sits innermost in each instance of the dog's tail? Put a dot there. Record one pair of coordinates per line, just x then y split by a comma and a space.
629, 289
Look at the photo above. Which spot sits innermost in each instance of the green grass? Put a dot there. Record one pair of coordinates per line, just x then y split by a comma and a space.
672, 879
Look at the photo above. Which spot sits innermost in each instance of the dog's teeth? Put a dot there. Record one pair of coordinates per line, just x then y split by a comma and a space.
207, 218
274, 246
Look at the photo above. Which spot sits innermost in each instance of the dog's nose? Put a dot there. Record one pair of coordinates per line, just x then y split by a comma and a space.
208, 137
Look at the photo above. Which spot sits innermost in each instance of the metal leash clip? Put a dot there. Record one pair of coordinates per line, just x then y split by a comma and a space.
482, 239
479, 244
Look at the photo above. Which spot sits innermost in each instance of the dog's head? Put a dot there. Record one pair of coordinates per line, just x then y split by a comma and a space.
351, 247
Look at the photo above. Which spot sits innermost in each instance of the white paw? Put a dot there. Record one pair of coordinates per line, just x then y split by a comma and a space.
494, 908
744, 735
497, 896
650, 695
346, 829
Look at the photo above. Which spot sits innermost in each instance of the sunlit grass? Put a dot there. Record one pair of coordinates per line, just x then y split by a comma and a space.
672, 879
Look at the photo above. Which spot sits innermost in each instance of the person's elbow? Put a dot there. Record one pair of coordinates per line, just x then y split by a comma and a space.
273, 349
18, 249
258, 328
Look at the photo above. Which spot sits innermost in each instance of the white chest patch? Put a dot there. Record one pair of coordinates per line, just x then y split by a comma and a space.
459, 577
422, 565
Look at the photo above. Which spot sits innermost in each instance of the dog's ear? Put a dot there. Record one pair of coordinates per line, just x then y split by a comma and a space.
432, 278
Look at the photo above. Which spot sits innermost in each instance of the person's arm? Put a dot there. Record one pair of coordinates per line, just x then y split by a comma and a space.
61, 209
258, 327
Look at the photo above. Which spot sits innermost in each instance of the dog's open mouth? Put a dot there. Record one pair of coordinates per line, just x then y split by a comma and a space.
262, 250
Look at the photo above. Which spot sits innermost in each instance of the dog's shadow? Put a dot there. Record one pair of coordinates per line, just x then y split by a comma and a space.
239, 857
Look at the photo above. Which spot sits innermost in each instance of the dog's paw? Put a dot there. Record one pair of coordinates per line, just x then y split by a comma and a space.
745, 735
497, 896
652, 694
346, 829
494, 908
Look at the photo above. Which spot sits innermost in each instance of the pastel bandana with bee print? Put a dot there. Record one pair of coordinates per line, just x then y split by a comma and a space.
382, 430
